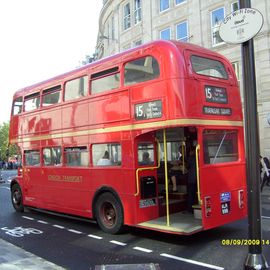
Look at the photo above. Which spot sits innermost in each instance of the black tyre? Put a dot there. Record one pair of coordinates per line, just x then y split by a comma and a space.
16, 198
109, 213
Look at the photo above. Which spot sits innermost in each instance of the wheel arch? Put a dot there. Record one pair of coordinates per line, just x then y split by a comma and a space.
102, 190
13, 182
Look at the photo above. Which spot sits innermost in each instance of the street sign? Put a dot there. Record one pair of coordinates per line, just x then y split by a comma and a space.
241, 25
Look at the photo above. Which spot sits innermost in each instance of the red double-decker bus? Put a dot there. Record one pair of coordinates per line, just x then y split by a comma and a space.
151, 137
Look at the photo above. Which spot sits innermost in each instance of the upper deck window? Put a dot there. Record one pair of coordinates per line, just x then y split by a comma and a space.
105, 80
208, 67
141, 70
51, 96
76, 88
32, 102
17, 106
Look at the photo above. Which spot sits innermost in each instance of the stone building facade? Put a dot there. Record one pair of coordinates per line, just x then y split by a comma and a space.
124, 24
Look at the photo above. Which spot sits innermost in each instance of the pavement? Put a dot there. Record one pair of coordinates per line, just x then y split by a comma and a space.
15, 258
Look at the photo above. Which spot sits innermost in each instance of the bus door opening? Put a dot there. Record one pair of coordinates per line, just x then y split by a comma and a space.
179, 208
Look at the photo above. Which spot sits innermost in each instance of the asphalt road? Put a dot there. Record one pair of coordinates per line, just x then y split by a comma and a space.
81, 245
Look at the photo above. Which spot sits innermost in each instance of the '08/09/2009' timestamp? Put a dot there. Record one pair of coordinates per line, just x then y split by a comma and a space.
244, 242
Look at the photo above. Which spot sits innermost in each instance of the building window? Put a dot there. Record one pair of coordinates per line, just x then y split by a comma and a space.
177, 2
141, 70
217, 17
31, 102
235, 6
137, 43
236, 70
165, 34
164, 5
182, 31
108, 154
51, 96
52, 156
137, 11
17, 106
76, 88
108, 34
113, 28
76, 156
127, 16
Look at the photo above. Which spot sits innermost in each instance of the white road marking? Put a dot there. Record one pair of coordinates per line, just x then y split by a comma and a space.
95, 236
118, 243
5, 188
42, 221
74, 231
28, 218
58, 226
265, 217
143, 249
191, 261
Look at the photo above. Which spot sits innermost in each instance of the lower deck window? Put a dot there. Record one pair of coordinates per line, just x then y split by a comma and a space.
146, 154
52, 156
31, 158
106, 154
220, 146
76, 156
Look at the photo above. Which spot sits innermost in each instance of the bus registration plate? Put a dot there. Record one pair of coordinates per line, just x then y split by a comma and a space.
147, 203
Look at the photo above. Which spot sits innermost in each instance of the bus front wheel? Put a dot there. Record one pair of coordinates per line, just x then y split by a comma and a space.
109, 213
16, 197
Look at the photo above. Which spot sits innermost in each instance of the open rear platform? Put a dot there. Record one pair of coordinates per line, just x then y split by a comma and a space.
180, 223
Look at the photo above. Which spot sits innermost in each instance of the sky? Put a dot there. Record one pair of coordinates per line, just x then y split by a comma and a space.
40, 39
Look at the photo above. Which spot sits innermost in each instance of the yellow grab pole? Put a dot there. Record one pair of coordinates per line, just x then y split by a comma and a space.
166, 178
183, 157
198, 174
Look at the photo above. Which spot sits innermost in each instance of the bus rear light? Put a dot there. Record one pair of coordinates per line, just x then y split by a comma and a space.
241, 199
208, 206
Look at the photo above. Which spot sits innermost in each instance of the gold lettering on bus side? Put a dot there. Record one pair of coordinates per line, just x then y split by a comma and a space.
54, 177
65, 178
72, 178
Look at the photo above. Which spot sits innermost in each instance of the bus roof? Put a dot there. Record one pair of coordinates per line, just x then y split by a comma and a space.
164, 45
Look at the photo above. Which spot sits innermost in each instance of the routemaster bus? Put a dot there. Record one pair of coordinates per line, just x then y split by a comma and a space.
112, 141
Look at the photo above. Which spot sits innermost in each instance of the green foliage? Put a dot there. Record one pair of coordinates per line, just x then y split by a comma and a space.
6, 150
